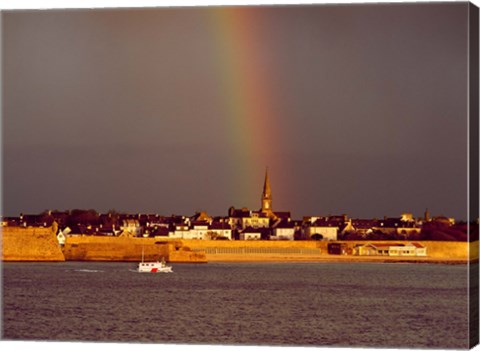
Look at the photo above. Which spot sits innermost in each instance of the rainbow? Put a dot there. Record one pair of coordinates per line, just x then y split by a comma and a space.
246, 85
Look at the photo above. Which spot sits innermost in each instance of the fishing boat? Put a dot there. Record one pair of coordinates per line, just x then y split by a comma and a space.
153, 267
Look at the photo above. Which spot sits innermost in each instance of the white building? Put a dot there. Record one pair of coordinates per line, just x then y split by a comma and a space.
201, 231
243, 218
394, 249
219, 230
283, 230
181, 231
198, 231
326, 233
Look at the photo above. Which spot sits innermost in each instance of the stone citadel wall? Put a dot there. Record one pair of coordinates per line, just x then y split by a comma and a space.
96, 248
30, 244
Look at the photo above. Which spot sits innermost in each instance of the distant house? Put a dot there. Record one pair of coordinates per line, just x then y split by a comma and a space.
348, 228
220, 230
321, 229
156, 220
283, 230
243, 218
393, 249
201, 217
420, 249
180, 231
362, 227
198, 230
365, 250
402, 250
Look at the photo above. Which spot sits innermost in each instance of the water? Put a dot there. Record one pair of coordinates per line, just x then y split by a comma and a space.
320, 304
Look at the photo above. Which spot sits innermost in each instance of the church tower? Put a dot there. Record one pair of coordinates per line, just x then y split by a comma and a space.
426, 216
266, 195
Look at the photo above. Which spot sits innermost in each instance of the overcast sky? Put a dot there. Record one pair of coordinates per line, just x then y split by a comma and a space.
354, 109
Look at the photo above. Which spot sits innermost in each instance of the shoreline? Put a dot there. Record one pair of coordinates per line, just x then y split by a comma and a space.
41, 245
347, 260
280, 260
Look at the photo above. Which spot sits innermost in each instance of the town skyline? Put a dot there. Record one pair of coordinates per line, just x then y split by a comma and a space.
178, 110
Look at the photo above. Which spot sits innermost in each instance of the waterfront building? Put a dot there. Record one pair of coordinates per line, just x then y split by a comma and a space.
325, 228
198, 230
348, 229
179, 231
240, 219
390, 249
219, 230
201, 217
321, 229
283, 230
362, 227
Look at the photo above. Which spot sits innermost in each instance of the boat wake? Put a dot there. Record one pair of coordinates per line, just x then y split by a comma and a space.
88, 270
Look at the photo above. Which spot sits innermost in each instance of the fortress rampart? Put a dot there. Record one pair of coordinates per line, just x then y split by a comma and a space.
30, 244
96, 248
41, 244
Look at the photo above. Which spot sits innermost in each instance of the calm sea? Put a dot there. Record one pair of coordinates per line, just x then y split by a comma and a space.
320, 304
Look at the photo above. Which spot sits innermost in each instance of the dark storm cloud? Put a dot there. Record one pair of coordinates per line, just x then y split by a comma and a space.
123, 109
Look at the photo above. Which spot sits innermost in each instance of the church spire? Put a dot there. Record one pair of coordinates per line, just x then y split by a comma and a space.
266, 195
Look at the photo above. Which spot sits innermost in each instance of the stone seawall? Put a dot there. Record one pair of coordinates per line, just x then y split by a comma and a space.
30, 244
40, 244
96, 248
454, 252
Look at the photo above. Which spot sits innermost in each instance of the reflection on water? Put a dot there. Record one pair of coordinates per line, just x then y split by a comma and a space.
383, 305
